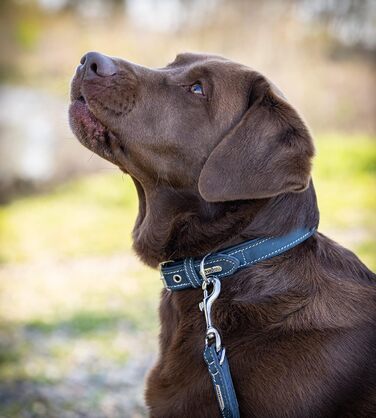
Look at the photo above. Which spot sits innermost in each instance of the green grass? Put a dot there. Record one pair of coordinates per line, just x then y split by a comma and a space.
94, 215
52, 318
345, 180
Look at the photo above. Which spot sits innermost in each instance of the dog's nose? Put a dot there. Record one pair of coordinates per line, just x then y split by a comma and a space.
96, 64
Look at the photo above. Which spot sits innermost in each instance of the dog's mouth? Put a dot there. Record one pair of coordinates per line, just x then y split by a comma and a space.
89, 130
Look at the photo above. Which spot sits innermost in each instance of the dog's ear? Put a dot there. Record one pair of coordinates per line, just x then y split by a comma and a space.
267, 153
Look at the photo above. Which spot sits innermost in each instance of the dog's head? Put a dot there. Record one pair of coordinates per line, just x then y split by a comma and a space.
202, 123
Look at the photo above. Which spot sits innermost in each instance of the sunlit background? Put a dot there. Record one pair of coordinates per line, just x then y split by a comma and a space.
78, 311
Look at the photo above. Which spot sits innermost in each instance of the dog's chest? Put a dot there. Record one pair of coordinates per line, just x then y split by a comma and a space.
274, 374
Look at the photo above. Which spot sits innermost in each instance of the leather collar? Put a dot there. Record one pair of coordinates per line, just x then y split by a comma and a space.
185, 274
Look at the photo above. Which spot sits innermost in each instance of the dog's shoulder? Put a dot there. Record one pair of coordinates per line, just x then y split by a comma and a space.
341, 263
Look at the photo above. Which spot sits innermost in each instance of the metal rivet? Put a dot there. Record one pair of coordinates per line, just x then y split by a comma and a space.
176, 278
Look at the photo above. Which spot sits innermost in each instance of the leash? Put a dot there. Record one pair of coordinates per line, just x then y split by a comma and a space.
208, 271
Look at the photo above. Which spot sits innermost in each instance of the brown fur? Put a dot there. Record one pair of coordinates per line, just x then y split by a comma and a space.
212, 171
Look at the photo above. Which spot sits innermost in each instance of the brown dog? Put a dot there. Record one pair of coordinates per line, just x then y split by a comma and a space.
218, 157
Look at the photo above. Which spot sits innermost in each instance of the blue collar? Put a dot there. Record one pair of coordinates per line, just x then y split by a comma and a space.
185, 274
207, 272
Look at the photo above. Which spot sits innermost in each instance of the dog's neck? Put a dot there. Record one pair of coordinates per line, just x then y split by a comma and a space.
175, 224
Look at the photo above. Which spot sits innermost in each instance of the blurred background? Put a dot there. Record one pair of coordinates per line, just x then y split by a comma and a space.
78, 311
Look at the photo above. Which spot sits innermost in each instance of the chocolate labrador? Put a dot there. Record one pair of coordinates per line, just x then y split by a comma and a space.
219, 157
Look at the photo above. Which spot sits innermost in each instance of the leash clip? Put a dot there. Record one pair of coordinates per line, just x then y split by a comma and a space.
215, 355
207, 303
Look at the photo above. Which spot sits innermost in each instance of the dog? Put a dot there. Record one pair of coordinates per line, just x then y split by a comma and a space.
218, 157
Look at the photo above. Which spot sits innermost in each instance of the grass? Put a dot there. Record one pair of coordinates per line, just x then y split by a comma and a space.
89, 216
76, 306
345, 181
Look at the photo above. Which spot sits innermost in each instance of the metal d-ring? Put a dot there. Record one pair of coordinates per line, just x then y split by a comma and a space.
205, 278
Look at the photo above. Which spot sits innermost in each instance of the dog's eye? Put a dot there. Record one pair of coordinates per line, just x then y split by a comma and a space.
197, 89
